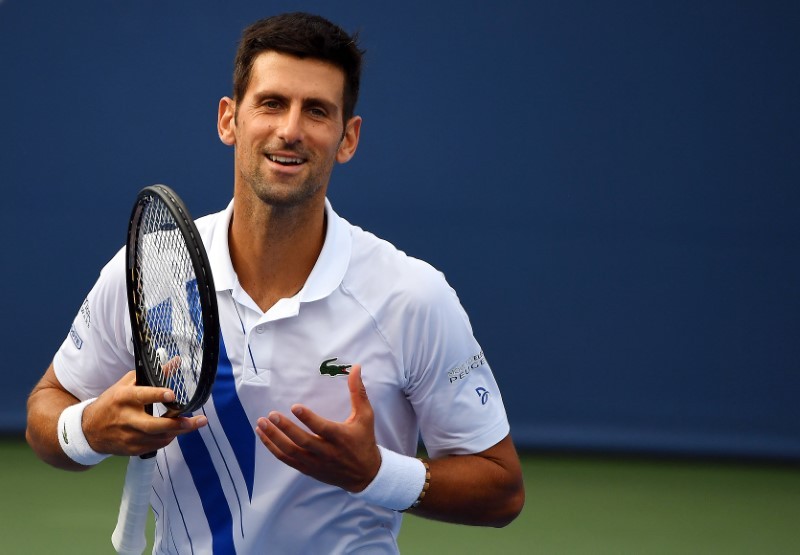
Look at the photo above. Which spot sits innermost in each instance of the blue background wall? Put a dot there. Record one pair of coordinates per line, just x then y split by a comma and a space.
611, 187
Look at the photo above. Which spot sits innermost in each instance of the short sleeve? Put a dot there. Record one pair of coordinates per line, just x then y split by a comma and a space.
98, 349
450, 385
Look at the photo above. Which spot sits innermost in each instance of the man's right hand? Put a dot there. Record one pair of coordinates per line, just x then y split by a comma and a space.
116, 423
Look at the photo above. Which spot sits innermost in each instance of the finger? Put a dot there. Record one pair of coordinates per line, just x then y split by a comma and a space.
182, 424
155, 425
162, 431
146, 395
355, 383
171, 365
294, 433
265, 438
284, 449
321, 427
146, 434
358, 394
276, 451
265, 432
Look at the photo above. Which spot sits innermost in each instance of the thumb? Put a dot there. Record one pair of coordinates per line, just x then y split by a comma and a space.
358, 392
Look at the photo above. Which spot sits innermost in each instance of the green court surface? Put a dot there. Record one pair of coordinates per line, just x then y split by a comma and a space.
575, 505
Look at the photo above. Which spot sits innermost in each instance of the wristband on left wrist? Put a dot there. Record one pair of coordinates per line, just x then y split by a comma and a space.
400, 483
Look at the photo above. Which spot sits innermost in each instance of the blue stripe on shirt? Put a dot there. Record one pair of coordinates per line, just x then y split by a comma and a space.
234, 420
237, 428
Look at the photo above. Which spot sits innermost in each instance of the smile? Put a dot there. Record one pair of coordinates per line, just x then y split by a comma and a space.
286, 160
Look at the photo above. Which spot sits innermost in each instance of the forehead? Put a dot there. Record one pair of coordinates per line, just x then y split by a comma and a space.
296, 77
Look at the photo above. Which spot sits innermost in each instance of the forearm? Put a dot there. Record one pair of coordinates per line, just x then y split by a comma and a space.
45, 404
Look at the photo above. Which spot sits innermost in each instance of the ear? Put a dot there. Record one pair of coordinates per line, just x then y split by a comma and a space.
226, 123
347, 148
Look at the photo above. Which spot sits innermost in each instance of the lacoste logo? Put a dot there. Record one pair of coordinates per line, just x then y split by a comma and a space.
64, 434
328, 369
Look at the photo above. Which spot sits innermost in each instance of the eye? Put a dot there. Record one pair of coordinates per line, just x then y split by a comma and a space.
271, 104
317, 112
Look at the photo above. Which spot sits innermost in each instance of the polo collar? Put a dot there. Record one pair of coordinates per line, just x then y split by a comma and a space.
325, 277
219, 255
329, 270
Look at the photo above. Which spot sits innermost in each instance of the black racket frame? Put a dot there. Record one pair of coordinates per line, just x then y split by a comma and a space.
146, 373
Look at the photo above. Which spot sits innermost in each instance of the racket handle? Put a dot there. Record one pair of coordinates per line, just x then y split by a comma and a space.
129, 535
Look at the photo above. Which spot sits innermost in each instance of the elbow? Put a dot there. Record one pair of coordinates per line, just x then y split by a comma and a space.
51, 453
34, 442
39, 447
515, 501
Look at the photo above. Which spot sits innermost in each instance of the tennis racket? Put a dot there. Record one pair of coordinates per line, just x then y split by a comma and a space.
175, 326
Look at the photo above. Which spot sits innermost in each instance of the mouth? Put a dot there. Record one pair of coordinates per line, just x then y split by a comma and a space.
284, 160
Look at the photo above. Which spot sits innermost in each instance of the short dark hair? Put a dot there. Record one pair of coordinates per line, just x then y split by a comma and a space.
305, 36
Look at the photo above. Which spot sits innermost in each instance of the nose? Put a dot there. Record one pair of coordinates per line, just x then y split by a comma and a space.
290, 128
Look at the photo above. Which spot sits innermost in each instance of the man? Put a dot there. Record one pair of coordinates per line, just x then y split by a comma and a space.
313, 310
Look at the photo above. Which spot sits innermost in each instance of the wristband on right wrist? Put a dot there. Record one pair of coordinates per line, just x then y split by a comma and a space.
71, 438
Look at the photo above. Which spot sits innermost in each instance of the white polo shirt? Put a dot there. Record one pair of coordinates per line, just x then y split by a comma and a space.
220, 490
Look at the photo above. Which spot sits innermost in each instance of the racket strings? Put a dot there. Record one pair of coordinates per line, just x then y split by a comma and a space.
168, 303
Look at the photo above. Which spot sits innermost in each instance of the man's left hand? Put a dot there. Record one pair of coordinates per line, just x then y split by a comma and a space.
342, 454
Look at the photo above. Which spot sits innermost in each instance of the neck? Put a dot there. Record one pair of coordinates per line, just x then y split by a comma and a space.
274, 248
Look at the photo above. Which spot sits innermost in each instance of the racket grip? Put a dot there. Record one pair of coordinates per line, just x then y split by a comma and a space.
129, 535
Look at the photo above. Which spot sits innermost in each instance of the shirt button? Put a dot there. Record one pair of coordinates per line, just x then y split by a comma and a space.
260, 329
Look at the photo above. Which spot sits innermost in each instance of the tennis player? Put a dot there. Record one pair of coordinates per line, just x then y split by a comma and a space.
338, 351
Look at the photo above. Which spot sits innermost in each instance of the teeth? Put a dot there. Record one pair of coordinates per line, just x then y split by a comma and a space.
285, 159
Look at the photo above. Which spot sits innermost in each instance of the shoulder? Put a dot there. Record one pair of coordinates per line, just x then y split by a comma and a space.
380, 272
112, 275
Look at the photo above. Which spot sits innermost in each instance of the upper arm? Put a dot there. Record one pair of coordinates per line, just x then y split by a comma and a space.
504, 455
48, 382
97, 351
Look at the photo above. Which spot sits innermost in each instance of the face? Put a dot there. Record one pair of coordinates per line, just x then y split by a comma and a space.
288, 129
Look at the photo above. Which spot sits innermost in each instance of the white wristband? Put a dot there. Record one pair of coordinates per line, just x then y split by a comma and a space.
398, 484
71, 438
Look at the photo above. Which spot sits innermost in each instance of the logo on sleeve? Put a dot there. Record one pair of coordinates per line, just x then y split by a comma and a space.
483, 394
461, 371
73, 333
86, 313
64, 434
329, 369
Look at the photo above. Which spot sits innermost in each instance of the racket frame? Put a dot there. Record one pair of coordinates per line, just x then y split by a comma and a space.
146, 371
